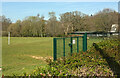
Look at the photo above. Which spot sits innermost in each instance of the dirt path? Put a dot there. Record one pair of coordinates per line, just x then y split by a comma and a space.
39, 57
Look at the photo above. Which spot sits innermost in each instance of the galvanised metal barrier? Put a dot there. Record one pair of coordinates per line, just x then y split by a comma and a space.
63, 47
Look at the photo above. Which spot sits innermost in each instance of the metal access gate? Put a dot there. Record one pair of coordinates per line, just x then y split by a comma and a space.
63, 47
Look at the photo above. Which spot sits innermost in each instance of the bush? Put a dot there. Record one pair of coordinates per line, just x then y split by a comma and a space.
111, 48
81, 64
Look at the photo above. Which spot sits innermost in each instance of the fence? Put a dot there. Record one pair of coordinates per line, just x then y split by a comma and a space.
63, 47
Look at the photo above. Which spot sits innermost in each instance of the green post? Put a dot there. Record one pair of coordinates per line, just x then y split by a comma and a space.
85, 42
77, 44
64, 47
54, 49
71, 47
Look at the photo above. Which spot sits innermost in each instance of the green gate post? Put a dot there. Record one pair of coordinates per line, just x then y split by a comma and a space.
64, 47
71, 46
54, 49
85, 42
77, 44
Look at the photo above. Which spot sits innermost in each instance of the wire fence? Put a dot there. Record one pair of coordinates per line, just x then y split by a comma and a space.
63, 47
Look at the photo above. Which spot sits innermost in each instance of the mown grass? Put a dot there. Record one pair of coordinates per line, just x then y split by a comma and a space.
17, 57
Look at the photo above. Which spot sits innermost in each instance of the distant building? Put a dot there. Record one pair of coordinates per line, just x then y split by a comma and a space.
90, 33
114, 28
113, 31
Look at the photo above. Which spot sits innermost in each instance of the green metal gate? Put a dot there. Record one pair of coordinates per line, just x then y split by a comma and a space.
63, 47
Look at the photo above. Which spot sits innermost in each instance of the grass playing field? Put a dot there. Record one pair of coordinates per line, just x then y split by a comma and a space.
26, 53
